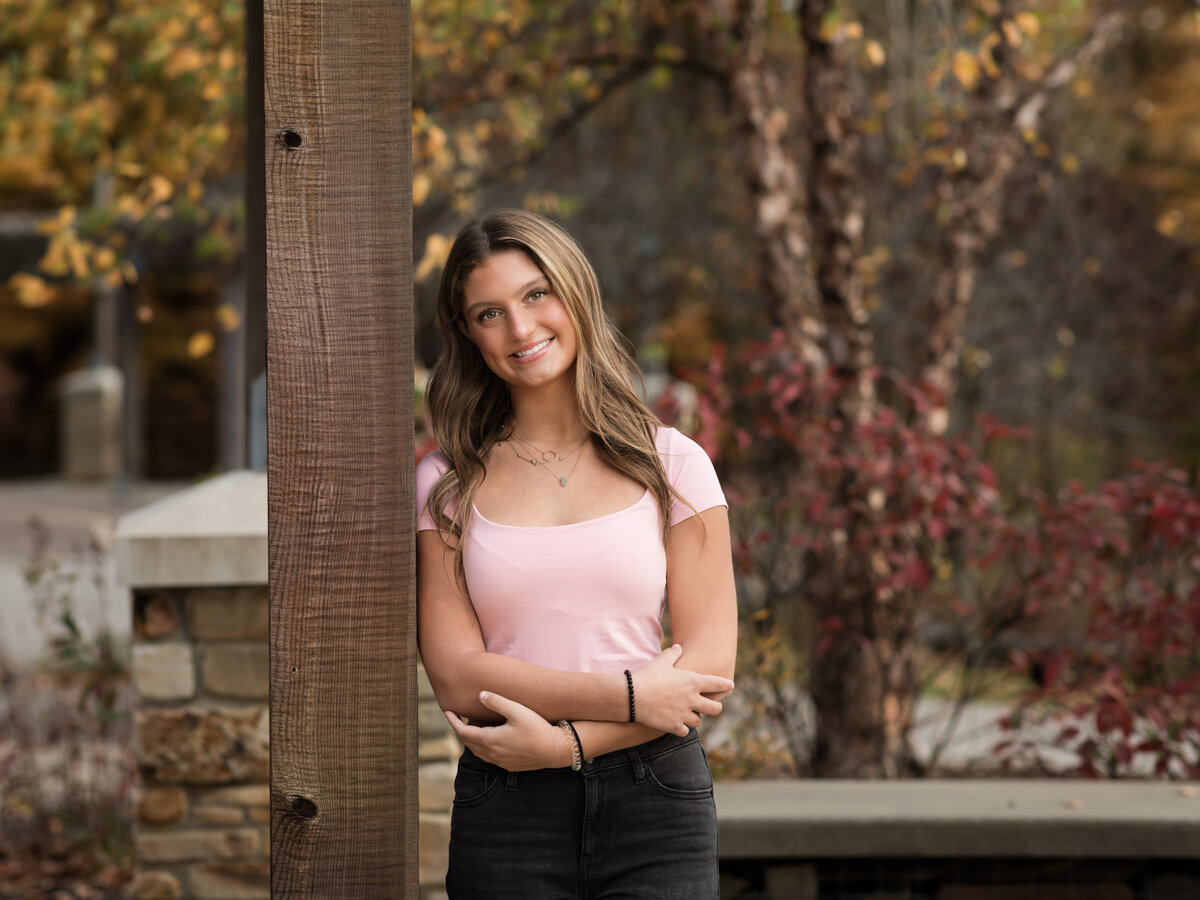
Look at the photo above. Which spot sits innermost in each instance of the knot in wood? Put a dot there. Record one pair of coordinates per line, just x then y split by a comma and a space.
303, 807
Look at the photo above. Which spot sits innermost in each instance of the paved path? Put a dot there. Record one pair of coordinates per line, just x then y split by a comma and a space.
76, 514
969, 745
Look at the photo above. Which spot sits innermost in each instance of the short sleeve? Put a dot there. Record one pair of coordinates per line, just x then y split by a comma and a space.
690, 472
429, 470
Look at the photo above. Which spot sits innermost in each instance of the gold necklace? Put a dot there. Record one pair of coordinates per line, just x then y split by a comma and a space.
562, 479
547, 455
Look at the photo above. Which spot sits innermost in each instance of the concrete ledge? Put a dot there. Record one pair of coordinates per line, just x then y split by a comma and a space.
210, 534
939, 819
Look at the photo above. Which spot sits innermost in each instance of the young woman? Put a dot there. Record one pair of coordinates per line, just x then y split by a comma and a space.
554, 518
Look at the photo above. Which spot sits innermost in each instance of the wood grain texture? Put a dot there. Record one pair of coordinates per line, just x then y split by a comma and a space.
340, 495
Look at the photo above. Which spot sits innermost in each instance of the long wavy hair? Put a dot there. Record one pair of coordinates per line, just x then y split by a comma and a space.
470, 407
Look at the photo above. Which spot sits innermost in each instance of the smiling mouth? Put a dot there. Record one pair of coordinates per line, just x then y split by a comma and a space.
529, 351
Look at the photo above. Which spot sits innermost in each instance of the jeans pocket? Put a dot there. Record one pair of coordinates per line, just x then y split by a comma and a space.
682, 773
473, 784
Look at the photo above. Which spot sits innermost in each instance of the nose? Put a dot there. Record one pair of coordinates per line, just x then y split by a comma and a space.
520, 323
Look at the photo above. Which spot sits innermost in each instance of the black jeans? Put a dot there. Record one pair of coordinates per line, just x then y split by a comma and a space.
636, 823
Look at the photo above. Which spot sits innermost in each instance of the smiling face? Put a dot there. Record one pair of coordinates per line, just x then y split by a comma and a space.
520, 325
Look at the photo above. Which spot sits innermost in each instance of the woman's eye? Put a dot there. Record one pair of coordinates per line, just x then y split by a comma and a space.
538, 294
487, 315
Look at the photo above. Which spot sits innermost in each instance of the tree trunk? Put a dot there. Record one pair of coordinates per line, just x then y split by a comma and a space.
835, 212
862, 669
1003, 112
340, 500
776, 187
973, 197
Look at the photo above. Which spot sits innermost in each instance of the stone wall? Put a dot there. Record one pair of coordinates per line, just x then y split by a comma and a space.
196, 567
201, 670
200, 667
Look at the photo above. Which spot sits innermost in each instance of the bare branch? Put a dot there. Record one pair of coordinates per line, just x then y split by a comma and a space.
1103, 35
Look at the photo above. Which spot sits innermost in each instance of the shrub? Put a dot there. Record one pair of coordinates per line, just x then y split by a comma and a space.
1093, 596
1126, 699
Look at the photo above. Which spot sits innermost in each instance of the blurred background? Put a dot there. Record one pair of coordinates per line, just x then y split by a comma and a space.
983, 215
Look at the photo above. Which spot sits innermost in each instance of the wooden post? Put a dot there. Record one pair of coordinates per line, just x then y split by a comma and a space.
339, 432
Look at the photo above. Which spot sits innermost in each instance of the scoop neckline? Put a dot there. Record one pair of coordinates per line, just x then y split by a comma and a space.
638, 502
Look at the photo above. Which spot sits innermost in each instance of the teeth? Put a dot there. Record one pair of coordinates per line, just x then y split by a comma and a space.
534, 349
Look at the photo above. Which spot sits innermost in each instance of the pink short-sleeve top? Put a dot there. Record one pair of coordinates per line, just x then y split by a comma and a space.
582, 597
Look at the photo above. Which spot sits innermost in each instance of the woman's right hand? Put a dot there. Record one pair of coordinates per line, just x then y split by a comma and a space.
672, 700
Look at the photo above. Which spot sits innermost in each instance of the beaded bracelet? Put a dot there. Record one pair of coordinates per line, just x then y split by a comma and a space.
632, 712
576, 751
578, 742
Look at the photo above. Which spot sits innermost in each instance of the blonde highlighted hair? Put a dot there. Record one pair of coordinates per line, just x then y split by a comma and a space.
469, 405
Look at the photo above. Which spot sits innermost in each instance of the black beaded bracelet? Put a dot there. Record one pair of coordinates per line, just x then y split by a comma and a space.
632, 712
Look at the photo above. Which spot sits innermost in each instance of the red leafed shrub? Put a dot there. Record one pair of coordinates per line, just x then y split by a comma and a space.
1100, 589
768, 422
1126, 699
814, 497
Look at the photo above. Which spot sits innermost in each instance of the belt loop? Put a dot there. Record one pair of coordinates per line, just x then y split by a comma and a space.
510, 783
635, 762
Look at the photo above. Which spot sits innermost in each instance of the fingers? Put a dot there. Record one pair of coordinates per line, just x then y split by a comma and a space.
673, 653
474, 737
706, 684
461, 728
715, 684
707, 707
502, 705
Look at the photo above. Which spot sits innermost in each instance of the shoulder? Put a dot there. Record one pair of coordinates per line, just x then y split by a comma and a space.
673, 445
432, 464
690, 472
431, 467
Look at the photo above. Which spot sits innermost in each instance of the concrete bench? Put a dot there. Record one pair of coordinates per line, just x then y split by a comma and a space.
988, 838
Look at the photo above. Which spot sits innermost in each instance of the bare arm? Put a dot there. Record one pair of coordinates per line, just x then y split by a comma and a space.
701, 595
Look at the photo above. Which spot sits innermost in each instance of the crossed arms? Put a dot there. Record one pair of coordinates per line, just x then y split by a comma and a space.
511, 703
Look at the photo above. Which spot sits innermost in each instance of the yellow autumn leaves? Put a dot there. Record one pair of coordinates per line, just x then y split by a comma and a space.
203, 341
151, 94
68, 255
968, 65
118, 114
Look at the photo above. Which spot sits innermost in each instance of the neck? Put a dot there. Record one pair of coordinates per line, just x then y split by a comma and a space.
547, 417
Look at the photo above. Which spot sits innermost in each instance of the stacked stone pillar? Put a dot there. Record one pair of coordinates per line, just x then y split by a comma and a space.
200, 668
196, 565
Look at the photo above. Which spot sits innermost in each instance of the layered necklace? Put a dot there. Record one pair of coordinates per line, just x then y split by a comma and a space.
541, 458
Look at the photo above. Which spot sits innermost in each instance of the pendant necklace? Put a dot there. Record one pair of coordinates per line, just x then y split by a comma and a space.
548, 456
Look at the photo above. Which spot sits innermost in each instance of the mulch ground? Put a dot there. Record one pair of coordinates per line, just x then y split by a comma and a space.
77, 874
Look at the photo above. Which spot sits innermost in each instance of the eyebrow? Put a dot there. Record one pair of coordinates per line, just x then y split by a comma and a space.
523, 289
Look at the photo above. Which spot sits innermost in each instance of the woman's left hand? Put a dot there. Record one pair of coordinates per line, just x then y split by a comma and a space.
524, 741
